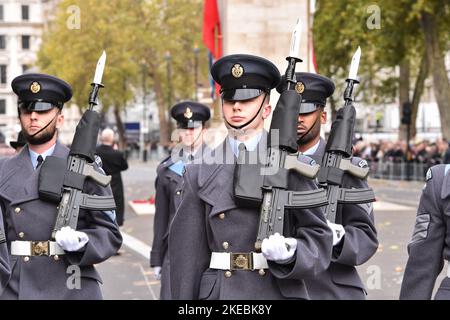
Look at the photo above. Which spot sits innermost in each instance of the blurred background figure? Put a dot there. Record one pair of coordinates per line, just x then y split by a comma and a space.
191, 118
19, 144
113, 163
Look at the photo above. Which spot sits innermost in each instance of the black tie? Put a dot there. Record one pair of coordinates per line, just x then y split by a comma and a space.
39, 161
241, 153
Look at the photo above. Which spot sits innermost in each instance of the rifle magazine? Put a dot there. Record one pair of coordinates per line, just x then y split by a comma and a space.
356, 196
307, 199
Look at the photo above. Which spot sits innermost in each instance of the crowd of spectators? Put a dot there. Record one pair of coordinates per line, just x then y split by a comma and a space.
424, 152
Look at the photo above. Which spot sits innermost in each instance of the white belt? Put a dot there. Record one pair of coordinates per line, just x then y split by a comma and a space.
35, 248
238, 261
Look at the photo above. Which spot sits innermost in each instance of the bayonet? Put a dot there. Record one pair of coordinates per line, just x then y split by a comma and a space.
100, 67
354, 65
338, 151
294, 51
97, 83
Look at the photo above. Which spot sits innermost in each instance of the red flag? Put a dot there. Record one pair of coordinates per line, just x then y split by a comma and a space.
212, 35
211, 25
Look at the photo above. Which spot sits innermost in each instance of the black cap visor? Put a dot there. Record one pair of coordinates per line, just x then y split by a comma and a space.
306, 107
241, 94
189, 124
37, 105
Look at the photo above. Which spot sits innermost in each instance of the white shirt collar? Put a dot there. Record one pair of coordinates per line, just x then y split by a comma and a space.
311, 150
250, 144
34, 155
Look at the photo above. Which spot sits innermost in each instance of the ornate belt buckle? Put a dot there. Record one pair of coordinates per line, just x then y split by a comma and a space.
40, 248
241, 261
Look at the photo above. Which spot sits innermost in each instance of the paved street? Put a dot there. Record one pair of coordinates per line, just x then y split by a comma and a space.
128, 275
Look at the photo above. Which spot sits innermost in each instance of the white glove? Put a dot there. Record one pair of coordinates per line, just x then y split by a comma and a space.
338, 232
71, 240
157, 271
278, 248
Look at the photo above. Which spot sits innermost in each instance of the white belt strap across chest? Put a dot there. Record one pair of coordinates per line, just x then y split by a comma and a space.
238, 261
36, 248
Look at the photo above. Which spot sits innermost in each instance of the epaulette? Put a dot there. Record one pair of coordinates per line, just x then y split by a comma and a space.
447, 168
445, 182
164, 160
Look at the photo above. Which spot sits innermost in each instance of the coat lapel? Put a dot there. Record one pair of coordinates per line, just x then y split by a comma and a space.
32, 188
20, 182
445, 192
61, 151
318, 155
17, 174
216, 181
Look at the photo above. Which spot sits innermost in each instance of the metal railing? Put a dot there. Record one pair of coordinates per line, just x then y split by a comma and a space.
389, 170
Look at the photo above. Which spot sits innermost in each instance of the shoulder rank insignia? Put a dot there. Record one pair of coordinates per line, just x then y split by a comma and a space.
429, 175
363, 164
98, 161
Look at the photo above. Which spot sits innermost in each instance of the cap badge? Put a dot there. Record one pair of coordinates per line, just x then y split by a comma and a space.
35, 87
237, 71
299, 87
188, 113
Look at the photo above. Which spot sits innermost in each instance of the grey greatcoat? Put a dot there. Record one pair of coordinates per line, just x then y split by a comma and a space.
167, 198
27, 218
208, 220
168, 186
5, 270
341, 280
430, 243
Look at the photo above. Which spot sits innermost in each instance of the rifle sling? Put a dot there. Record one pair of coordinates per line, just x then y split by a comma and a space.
331, 175
278, 180
74, 180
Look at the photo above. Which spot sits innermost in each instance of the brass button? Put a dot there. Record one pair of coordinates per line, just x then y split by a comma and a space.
178, 193
227, 274
56, 257
21, 234
26, 259
261, 272
222, 216
17, 210
225, 245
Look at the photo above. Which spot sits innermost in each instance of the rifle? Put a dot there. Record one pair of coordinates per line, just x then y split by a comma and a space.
336, 161
62, 181
273, 197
